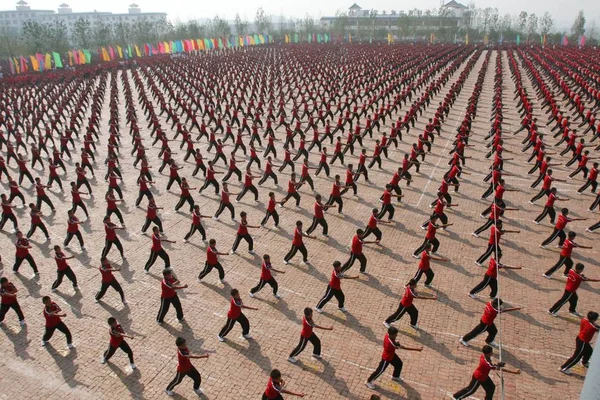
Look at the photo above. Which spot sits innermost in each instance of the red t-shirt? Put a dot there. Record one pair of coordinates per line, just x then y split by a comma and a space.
431, 229
307, 328
336, 280
110, 232
242, 230
489, 314
265, 271
424, 263
272, 390
318, 210
234, 309
184, 364
562, 222
106, 273
408, 297
211, 256
586, 330
291, 187
166, 286
483, 369
22, 252
61, 263
9, 290
297, 241
573, 281
156, 243
357, 245
389, 349
492, 270
115, 335
52, 320
495, 234
567, 248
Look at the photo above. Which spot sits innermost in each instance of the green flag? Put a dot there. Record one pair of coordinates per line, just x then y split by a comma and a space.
88, 56
57, 60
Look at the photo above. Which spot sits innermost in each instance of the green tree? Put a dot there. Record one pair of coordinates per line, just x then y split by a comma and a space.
532, 26
102, 34
522, 22
241, 26
262, 23
34, 36
219, 27
82, 32
546, 24
578, 27
340, 24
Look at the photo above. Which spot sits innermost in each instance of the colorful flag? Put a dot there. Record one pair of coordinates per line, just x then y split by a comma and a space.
12, 66
34, 63
138, 53
87, 56
518, 40
582, 40
24, 66
120, 51
467, 39
105, 55
48, 61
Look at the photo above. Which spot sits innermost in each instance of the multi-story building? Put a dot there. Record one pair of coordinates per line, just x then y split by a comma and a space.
13, 20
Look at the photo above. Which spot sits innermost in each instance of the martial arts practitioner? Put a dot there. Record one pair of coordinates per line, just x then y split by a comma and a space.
490, 312
8, 300
307, 335
406, 306
565, 255
117, 341
185, 368
53, 315
425, 267
583, 350
490, 279
234, 315
334, 288
266, 277
574, 279
275, 387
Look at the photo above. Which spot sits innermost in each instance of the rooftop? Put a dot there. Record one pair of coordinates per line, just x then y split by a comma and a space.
454, 4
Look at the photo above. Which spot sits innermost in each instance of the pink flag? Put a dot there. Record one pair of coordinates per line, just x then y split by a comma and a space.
112, 53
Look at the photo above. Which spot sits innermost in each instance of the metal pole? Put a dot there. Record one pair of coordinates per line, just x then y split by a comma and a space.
591, 385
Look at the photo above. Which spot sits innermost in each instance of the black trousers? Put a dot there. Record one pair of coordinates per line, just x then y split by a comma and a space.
104, 287
484, 227
583, 352
19, 261
434, 243
488, 252
264, 178
15, 306
245, 190
44, 199
165, 304
61, 327
247, 238
567, 296
192, 373
208, 267
210, 182
156, 221
308, 180
293, 251
547, 211
479, 329
193, 229
243, 321
322, 165
70, 236
487, 385
123, 346
338, 200
540, 195
316, 342
411, 310
118, 214
589, 182
108, 244
428, 273
271, 214
6, 217
141, 195
34, 227
289, 195
487, 281
353, 257
271, 282
59, 277
375, 231
331, 293
182, 201
386, 208
556, 233
154, 255
562, 260
318, 221
396, 363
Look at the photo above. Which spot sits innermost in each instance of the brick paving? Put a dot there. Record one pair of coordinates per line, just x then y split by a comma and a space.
237, 369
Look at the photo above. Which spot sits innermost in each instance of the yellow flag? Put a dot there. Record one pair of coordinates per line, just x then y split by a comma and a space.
137, 51
105, 56
120, 51
167, 48
467, 39
34, 63
70, 58
48, 61
350, 37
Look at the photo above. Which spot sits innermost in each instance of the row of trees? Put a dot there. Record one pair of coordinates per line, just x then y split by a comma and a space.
476, 22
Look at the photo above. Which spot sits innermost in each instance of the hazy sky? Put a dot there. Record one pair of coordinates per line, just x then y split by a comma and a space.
562, 11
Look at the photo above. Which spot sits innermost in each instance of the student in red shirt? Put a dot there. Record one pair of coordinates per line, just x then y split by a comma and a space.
298, 245
583, 350
77, 202
117, 341
565, 255
386, 203
266, 277
73, 230
234, 315
185, 368
268, 173
292, 191
7, 213
559, 228
210, 178
185, 195
22, 253
406, 306
490, 279
108, 280
111, 237
111, 206
196, 225
481, 376
53, 315
8, 300
307, 335
169, 287
549, 207
275, 387
62, 269
334, 288
242, 233
157, 250
389, 356
591, 180
574, 279
356, 252
430, 238
494, 243
41, 195
424, 265
212, 261
319, 216
36, 222
271, 211
372, 226
490, 311
225, 203
152, 217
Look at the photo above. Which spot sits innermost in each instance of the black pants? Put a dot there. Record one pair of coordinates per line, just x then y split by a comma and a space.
293, 251
596, 202
353, 257
264, 179
154, 255
104, 287
487, 385
354, 188
15, 195
46, 200
19, 261
271, 214
570, 297
308, 180
540, 195
487, 281
117, 213
479, 329
295, 195
193, 229
15, 306
375, 231
338, 200
34, 227
6, 217
231, 172
70, 236
583, 352
182, 201
318, 221
488, 252
61, 327
566, 261
434, 243
245, 190
141, 195
443, 218
165, 304
589, 182
271, 282
247, 238
411, 310
83, 207
210, 182
59, 277
264, 397
316, 342
484, 227
222, 207
192, 373
556, 233
428, 273
156, 221
243, 321
123, 346
547, 211
108, 244
322, 165
208, 267
329, 294
396, 363
386, 208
